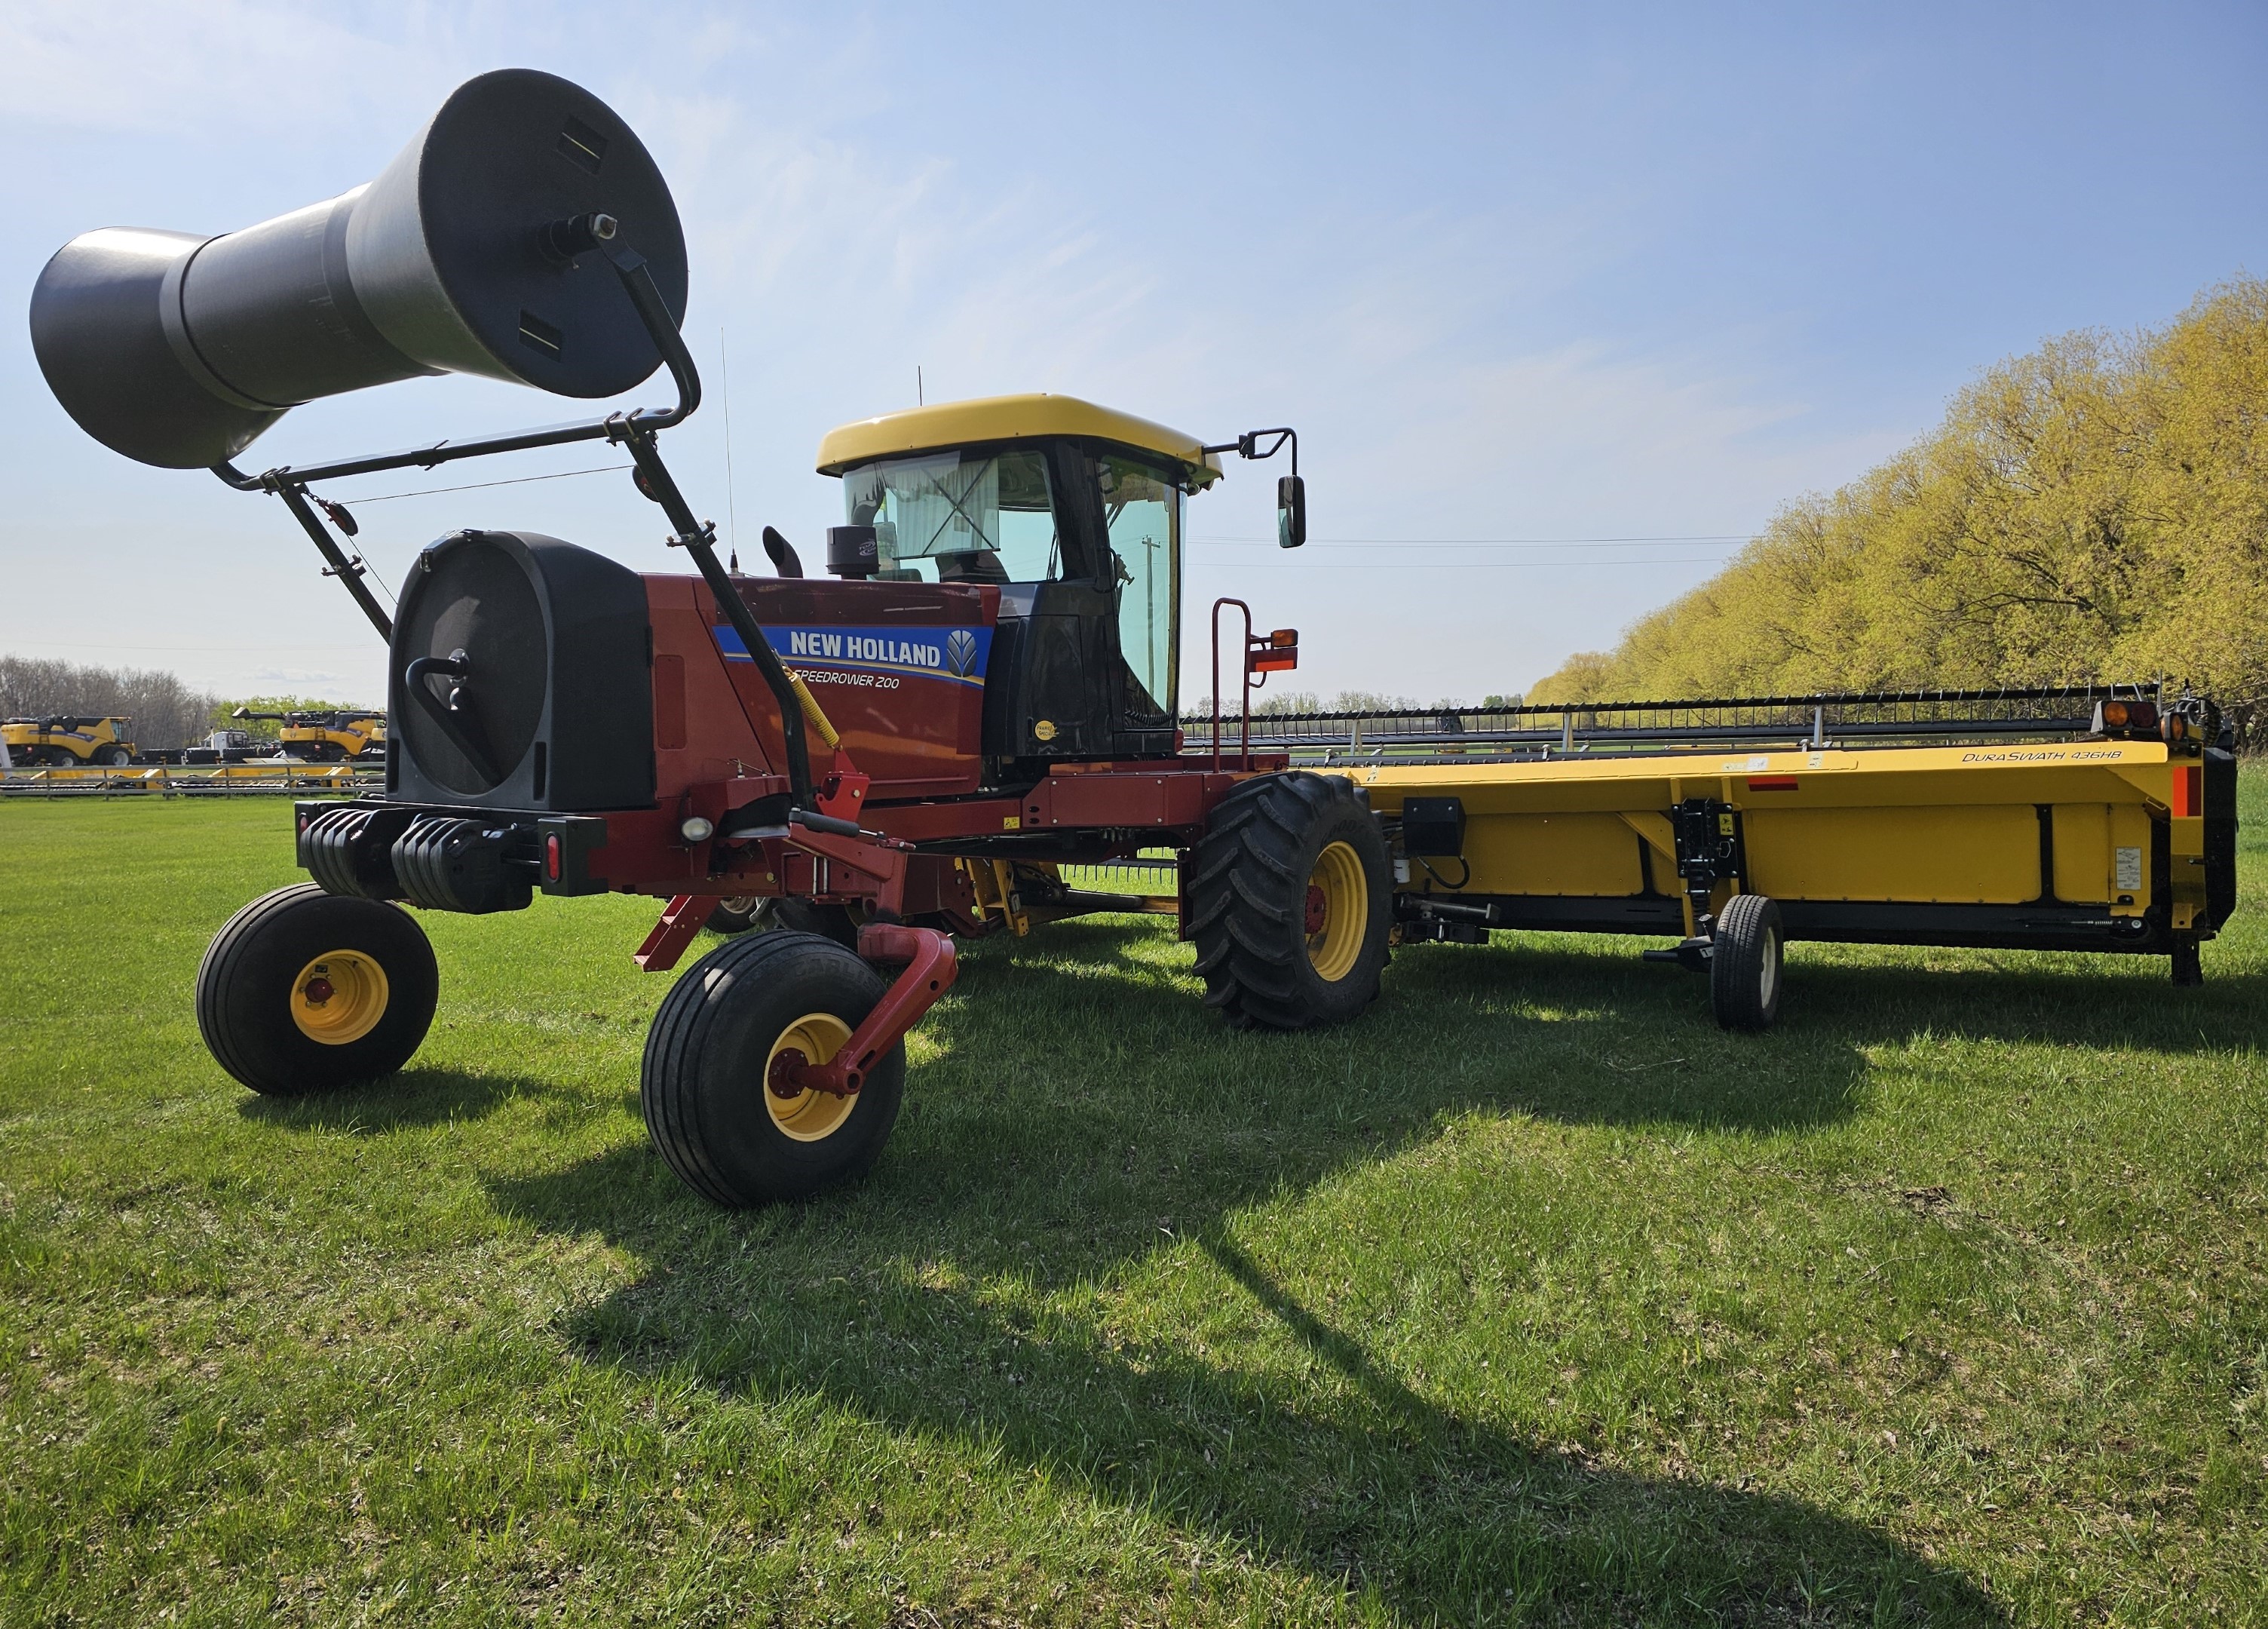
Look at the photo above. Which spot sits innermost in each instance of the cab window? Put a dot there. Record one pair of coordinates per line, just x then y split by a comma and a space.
960, 517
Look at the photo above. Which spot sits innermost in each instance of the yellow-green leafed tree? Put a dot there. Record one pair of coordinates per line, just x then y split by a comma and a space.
2096, 510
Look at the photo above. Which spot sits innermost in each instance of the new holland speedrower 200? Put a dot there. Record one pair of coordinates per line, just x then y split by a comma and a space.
981, 691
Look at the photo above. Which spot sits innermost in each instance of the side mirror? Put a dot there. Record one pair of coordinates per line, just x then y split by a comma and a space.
1290, 512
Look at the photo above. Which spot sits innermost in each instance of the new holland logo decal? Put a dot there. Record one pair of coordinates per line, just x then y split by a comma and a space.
954, 655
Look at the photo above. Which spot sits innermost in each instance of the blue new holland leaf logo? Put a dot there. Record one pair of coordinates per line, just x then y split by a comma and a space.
960, 651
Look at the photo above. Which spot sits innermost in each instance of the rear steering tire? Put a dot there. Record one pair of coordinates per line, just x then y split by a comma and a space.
1744, 963
735, 916
303, 991
762, 913
712, 1107
1290, 901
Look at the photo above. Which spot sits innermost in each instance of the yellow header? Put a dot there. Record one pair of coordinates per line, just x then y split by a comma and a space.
1007, 418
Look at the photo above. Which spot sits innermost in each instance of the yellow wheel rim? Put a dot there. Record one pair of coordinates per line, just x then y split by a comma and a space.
339, 998
807, 1115
1338, 912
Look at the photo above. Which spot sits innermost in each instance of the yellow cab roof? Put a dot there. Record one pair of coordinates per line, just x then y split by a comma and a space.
1007, 418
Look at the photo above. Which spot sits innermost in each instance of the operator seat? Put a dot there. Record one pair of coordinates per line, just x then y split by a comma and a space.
971, 565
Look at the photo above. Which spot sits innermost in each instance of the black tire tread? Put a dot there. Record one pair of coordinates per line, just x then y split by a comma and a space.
1747, 929
233, 956
1248, 895
670, 1083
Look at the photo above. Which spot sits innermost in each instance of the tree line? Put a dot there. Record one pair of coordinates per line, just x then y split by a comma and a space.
2095, 511
166, 712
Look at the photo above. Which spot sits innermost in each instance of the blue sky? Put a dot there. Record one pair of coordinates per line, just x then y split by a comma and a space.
1574, 273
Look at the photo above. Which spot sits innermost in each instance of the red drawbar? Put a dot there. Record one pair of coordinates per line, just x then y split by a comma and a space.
1771, 783
2189, 791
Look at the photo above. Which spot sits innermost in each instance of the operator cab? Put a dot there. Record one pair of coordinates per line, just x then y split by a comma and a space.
1073, 513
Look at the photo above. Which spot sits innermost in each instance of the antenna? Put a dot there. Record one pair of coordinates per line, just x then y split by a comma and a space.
920, 399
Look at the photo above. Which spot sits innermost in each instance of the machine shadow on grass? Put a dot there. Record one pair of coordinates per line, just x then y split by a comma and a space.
1080, 1112
1831, 999
415, 1097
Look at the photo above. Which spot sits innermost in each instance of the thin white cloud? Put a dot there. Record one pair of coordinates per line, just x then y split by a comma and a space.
842, 236
159, 69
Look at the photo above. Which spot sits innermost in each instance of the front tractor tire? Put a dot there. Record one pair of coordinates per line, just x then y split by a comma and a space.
1290, 902
714, 1108
304, 992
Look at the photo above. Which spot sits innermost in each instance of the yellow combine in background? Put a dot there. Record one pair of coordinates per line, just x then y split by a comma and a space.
334, 736
69, 741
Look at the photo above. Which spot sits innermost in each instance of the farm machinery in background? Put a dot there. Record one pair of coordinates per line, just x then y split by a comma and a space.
978, 699
333, 735
69, 741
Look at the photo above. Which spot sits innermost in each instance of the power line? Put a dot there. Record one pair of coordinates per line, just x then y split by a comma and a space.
474, 486
1493, 543
1447, 565
363, 559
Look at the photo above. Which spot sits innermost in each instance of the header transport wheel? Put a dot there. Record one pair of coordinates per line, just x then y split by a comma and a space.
304, 990
1744, 963
721, 1106
1290, 901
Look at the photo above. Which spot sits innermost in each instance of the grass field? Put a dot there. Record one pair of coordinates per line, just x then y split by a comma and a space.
1530, 1298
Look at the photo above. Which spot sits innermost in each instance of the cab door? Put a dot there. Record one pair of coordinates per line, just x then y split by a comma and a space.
1141, 515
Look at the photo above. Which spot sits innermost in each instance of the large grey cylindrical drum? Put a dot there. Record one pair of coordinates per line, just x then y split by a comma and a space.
179, 349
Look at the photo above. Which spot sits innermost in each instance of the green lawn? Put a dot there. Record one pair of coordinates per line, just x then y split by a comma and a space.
1530, 1298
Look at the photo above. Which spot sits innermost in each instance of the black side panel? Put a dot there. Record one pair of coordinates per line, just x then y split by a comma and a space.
1055, 686
1044, 697
2220, 836
601, 681
1004, 725
555, 710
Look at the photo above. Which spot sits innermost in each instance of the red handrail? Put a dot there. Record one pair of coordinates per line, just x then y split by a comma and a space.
1243, 682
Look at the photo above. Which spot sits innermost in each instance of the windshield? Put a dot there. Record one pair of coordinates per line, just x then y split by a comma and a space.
959, 517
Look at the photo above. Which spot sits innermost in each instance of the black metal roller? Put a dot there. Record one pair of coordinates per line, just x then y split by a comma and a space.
476, 251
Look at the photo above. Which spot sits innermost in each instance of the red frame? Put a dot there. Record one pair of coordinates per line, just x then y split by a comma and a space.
719, 750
